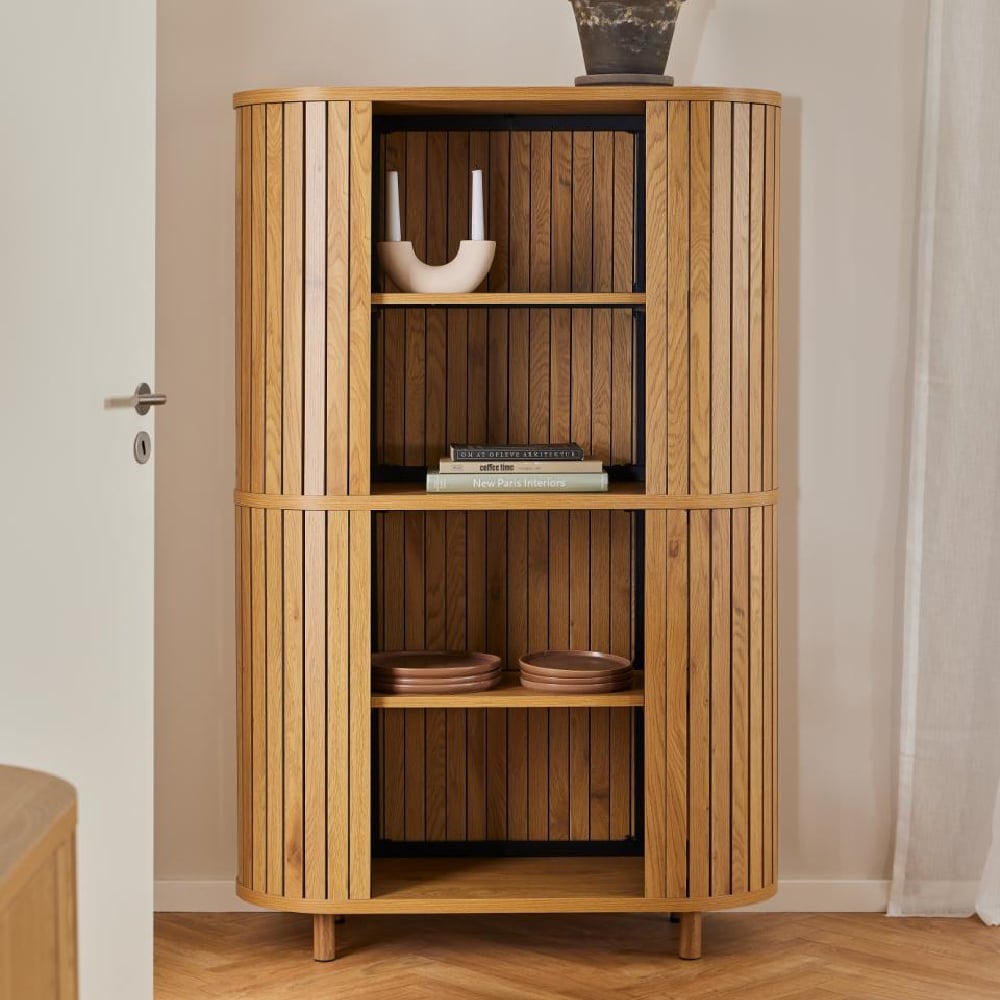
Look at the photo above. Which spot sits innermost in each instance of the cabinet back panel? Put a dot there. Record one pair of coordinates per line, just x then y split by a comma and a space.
506, 583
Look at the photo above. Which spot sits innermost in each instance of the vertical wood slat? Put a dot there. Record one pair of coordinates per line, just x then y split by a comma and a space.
677, 668
755, 818
700, 671
338, 287
740, 412
701, 296
339, 710
656, 726
244, 641
290, 224
292, 522
314, 710
722, 319
756, 292
740, 699
767, 378
245, 231
359, 389
721, 720
656, 297
293, 533
273, 525
359, 685
768, 696
258, 223
678, 262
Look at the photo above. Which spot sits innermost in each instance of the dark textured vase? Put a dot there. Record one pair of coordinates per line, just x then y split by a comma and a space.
626, 37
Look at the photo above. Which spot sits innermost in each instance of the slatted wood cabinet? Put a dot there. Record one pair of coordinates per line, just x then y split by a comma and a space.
632, 308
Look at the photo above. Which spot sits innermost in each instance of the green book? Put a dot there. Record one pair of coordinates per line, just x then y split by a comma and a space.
525, 482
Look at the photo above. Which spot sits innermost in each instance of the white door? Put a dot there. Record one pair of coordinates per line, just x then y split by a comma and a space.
77, 196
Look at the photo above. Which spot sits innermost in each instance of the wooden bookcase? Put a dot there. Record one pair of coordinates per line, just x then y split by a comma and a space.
632, 308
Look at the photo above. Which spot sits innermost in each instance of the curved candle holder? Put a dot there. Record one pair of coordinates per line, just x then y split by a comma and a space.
464, 273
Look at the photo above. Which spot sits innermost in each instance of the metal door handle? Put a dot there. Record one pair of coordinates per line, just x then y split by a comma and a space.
144, 398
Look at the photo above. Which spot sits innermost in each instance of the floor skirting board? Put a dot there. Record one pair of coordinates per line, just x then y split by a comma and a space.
794, 896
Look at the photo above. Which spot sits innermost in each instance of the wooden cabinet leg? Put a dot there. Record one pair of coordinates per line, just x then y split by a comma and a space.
324, 937
690, 943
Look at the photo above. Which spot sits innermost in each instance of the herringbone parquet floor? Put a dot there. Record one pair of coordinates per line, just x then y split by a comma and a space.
633, 957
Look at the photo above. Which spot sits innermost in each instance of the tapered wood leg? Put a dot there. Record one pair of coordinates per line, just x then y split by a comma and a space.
690, 943
324, 937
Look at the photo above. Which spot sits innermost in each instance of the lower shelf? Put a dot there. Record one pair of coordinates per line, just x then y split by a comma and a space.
506, 885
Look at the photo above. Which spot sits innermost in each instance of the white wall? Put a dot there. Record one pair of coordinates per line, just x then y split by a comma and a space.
852, 74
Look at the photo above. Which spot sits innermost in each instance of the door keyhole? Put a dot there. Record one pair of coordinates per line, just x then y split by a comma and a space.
142, 447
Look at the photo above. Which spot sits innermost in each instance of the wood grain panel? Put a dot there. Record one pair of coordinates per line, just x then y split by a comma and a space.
678, 270
338, 285
755, 694
656, 725
739, 815
340, 748
258, 763
244, 295
721, 701
293, 701
315, 370
676, 790
701, 296
740, 412
756, 292
315, 696
699, 722
359, 365
258, 283
656, 297
274, 681
273, 303
360, 704
292, 240
722, 318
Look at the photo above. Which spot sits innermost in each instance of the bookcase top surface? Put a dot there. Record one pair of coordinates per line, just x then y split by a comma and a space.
508, 100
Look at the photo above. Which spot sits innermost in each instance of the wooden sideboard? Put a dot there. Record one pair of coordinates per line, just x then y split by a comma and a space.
37, 886
632, 307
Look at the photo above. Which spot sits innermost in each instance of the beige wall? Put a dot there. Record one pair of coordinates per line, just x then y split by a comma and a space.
852, 74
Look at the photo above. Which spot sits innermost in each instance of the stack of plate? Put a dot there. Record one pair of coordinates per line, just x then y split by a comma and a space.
428, 671
575, 671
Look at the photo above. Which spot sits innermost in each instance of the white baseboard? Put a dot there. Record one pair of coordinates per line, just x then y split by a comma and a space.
793, 896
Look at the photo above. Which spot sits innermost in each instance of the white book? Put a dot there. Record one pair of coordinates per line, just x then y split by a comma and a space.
525, 482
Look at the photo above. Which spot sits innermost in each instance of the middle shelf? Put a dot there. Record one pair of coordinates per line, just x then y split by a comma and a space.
512, 300
510, 694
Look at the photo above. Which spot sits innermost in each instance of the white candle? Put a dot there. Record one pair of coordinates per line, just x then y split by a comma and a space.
393, 231
478, 226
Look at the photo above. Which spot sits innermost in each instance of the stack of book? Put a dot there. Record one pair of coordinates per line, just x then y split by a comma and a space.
517, 468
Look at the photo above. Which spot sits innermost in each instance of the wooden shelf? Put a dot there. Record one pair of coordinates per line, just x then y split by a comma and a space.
526, 300
503, 884
510, 694
412, 496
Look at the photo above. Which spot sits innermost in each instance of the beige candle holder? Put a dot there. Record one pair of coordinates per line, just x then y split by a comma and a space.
464, 273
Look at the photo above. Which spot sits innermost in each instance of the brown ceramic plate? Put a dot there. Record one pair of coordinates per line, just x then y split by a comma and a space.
433, 663
443, 686
583, 664
576, 687
419, 682
546, 674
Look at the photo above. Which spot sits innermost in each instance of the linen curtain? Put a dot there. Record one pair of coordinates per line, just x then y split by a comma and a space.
948, 832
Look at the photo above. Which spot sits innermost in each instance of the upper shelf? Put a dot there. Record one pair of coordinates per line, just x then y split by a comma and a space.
611, 300
507, 100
